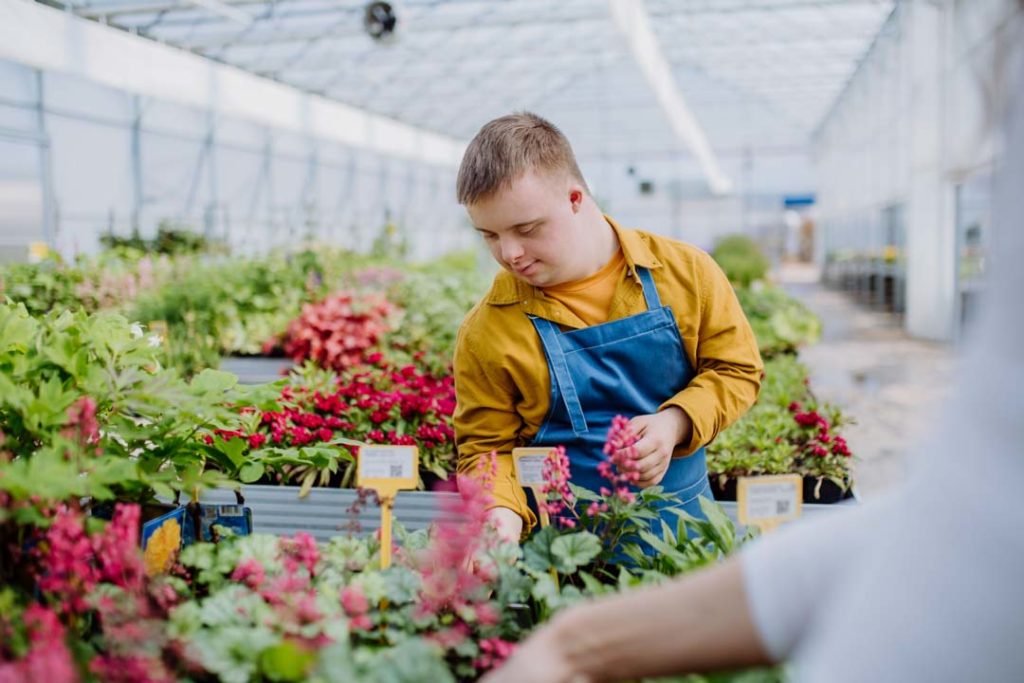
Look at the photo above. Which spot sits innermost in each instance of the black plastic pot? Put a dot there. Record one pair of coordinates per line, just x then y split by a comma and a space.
825, 494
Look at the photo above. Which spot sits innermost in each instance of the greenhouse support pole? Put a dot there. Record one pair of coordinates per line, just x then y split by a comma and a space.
213, 201
45, 167
136, 147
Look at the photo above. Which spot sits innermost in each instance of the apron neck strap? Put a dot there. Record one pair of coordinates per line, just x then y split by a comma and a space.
650, 291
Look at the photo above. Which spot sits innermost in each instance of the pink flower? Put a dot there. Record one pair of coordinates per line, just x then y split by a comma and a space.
450, 577
250, 572
300, 551
556, 495
621, 469
493, 653
353, 601
82, 421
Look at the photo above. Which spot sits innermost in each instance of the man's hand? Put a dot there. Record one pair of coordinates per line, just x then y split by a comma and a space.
507, 523
658, 436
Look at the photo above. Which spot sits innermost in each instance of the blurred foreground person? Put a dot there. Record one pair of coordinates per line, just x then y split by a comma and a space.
925, 585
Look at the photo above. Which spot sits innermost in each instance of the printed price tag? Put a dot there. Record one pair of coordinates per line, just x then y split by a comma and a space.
768, 501
388, 463
529, 464
387, 470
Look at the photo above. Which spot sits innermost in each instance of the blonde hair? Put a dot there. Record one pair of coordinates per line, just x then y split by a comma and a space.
508, 147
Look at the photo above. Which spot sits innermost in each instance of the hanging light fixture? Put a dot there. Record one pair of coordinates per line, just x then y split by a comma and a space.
379, 19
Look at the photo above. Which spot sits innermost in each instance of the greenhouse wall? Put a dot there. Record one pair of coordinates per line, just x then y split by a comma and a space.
79, 157
906, 155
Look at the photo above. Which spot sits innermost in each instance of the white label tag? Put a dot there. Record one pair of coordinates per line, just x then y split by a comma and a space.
531, 469
772, 500
387, 462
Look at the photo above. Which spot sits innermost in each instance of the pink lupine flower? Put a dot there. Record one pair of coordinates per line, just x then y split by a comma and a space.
556, 495
450, 577
620, 469
67, 573
116, 550
48, 658
82, 425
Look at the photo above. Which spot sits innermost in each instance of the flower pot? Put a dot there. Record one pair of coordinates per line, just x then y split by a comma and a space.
432, 482
256, 369
824, 491
723, 489
814, 493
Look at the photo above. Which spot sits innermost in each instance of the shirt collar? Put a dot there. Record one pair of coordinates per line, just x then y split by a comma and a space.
508, 289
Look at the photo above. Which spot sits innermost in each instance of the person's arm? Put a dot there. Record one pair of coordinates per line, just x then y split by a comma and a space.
485, 421
701, 623
728, 369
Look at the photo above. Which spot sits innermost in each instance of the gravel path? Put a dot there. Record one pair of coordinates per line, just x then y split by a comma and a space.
865, 363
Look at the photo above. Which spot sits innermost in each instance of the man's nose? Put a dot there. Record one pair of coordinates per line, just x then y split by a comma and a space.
511, 249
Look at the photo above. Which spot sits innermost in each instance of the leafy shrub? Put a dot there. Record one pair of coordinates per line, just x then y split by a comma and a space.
742, 260
781, 323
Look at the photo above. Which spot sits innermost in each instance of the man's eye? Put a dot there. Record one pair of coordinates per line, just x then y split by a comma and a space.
527, 230
489, 236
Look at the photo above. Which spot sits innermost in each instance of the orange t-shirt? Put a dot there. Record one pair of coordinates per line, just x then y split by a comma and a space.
591, 297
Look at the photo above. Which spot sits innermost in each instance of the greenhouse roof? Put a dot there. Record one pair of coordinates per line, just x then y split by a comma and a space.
747, 73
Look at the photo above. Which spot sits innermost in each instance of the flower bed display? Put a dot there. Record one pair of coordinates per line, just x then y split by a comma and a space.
786, 432
81, 602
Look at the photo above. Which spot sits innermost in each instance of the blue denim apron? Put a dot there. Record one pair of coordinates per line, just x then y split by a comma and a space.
628, 367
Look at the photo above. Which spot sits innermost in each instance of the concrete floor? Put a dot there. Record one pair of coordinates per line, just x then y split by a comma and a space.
865, 363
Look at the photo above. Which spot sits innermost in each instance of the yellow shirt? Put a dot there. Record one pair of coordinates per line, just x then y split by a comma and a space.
590, 298
502, 386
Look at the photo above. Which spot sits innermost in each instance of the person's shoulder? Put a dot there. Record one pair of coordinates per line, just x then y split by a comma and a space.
676, 253
487, 317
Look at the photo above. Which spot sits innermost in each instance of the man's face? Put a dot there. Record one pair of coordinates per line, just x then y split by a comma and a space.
534, 228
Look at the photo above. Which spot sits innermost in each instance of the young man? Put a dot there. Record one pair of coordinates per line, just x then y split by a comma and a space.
589, 320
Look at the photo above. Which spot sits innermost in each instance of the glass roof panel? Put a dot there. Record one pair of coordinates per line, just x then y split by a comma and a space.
753, 72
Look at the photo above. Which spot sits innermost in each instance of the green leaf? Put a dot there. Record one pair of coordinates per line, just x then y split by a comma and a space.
250, 472
573, 551
214, 381
233, 448
537, 551
286, 661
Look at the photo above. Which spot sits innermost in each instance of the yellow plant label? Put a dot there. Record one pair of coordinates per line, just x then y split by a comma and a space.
387, 469
529, 464
770, 500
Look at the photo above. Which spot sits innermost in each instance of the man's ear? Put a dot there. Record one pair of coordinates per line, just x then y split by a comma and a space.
575, 198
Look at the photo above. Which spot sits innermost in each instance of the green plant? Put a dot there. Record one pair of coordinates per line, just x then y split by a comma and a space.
786, 431
742, 260
41, 287
781, 323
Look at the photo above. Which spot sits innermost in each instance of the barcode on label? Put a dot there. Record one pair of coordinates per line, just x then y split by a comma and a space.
782, 507
396, 470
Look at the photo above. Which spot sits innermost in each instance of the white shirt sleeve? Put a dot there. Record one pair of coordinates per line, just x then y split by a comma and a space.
927, 585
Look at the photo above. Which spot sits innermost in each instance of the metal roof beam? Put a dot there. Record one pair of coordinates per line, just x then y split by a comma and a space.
273, 34
635, 24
